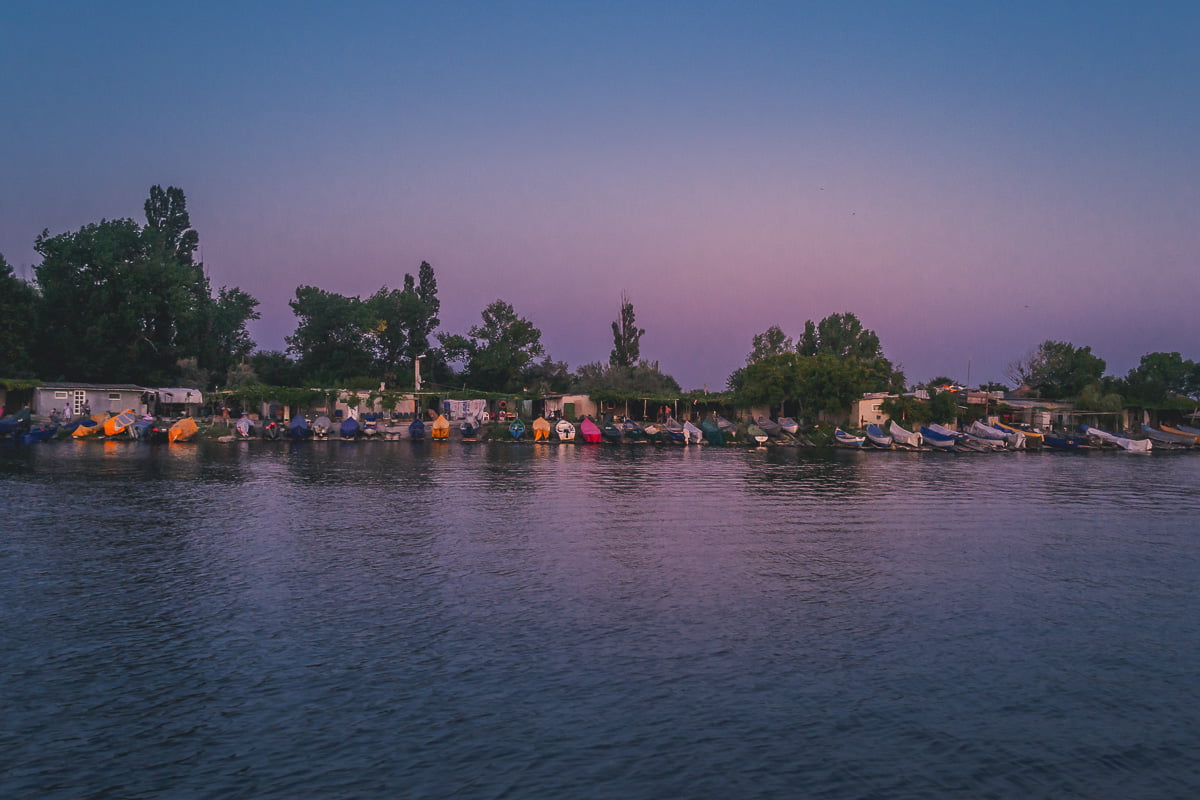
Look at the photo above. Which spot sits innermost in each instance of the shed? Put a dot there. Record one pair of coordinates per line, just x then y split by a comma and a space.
80, 397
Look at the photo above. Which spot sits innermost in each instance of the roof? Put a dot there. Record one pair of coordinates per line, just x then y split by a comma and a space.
106, 387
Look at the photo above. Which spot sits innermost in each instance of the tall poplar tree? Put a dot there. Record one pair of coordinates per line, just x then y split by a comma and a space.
627, 336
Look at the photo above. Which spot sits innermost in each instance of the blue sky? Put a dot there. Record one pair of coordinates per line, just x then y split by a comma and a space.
969, 178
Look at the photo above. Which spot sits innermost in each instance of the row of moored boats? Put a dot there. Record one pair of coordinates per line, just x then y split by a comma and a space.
982, 437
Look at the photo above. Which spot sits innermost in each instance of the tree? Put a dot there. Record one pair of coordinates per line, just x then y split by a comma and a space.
18, 318
1161, 375
771, 342
1057, 369
274, 368
231, 312
497, 352
840, 335
645, 379
547, 376
402, 321
331, 339
627, 337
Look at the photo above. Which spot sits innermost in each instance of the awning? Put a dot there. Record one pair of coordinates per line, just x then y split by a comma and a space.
179, 395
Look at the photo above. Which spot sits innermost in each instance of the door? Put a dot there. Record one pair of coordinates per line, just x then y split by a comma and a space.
77, 401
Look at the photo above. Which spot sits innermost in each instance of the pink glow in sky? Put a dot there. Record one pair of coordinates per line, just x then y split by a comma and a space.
969, 181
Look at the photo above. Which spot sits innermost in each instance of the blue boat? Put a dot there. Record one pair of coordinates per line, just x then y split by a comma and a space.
298, 428
937, 439
39, 433
416, 429
878, 438
1062, 442
843, 439
349, 428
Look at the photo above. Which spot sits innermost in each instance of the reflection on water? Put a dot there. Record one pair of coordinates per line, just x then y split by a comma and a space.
480, 620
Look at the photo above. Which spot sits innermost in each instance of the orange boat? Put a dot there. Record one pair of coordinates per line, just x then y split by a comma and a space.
119, 423
182, 431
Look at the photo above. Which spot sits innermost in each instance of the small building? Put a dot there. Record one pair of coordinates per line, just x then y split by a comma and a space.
867, 410
570, 406
178, 402
93, 397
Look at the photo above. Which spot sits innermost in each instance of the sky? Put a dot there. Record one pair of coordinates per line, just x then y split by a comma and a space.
969, 179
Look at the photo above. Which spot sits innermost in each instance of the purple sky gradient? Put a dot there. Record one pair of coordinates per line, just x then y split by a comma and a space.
969, 179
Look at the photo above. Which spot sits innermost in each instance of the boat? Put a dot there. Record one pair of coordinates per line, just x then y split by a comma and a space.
632, 431
692, 434
89, 426
117, 425
321, 426
769, 426
610, 431
15, 424
655, 433
440, 432
1173, 440
516, 429
147, 429
469, 429
369, 425
272, 430
541, 430
245, 428
298, 428
1181, 430
565, 430
756, 433
902, 437
728, 428
1132, 445
712, 432
1002, 438
416, 429
879, 438
1032, 438
38, 433
674, 431
1065, 442
936, 439
843, 439
184, 429
348, 429
789, 425
589, 430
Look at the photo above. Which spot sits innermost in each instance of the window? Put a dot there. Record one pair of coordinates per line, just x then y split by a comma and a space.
61, 395
114, 395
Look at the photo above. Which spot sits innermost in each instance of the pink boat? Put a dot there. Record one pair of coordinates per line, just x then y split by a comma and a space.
589, 430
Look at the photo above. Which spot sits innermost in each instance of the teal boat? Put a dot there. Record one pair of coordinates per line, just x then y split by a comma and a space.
516, 428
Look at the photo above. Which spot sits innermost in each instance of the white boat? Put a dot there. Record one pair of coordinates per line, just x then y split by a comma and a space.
903, 438
1002, 438
565, 430
692, 434
1132, 445
843, 439
789, 425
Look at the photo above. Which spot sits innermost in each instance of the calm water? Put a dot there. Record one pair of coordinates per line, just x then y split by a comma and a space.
495, 621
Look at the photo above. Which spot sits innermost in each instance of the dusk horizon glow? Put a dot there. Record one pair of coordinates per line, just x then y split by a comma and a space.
968, 180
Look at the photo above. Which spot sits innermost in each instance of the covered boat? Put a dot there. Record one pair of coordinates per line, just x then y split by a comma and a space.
441, 429
655, 433
298, 428
321, 427
610, 431
38, 433
368, 426
692, 434
936, 439
843, 439
565, 430
769, 426
589, 430
632, 431
244, 427
1061, 442
728, 428
118, 424
1171, 439
14, 424
789, 425
1032, 438
902, 437
416, 429
674, 431
349, 428
1132, 445
879, 438
1181, 430
516, 429
184, 429
469, 428
541, 430
1002, 438
88, 426
712, 432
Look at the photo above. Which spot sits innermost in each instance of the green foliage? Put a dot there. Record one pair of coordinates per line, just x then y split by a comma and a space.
401, 321
841, 335
18, 321
256, 394
497, 352
1057, 369
1158, 376
627, 337
123, 302
943, 406
1093, 397
771, 342
993, 386
330, 340
547, 376
641, 381
906, 410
